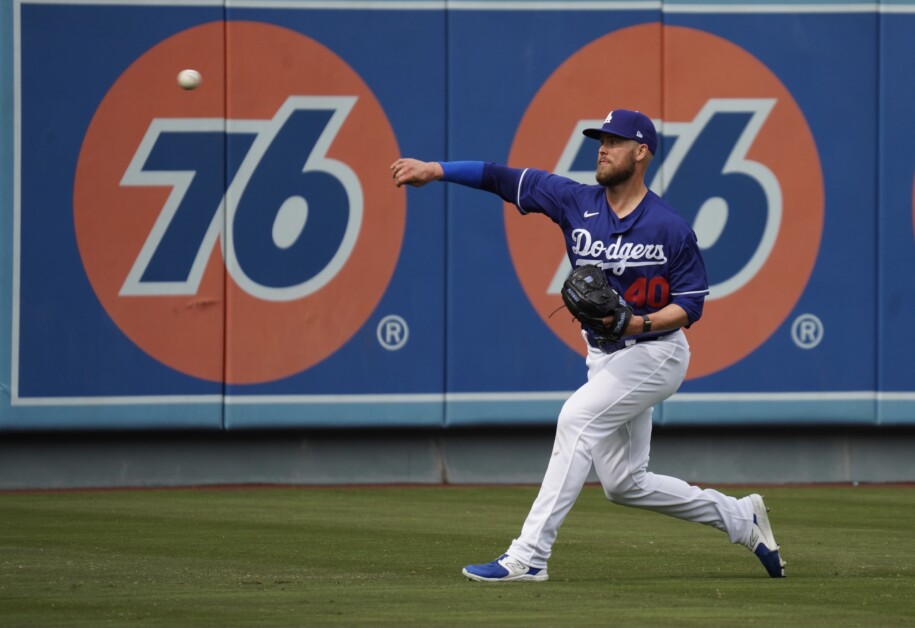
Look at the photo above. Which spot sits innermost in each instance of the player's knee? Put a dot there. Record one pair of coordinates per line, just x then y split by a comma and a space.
623, 487
618, 491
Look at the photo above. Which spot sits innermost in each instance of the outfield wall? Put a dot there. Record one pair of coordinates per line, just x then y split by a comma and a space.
707, 456
236, 257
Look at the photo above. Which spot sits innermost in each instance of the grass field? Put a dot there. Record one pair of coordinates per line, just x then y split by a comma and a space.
392, 556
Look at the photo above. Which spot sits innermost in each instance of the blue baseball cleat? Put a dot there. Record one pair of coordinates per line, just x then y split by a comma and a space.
504, 569
762, 541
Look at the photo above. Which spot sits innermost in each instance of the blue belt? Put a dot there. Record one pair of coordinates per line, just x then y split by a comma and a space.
611, 346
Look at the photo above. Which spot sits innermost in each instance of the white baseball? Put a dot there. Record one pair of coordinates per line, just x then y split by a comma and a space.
189, 79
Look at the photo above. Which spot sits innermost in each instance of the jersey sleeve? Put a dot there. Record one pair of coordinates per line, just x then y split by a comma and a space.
530, 190
688, 279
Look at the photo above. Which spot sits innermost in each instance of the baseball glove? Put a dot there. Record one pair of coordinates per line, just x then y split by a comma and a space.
590, 298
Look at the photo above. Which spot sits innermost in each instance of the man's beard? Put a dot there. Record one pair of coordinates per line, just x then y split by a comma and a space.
616, 177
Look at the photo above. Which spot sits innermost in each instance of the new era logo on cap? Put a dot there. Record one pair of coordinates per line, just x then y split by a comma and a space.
633, 125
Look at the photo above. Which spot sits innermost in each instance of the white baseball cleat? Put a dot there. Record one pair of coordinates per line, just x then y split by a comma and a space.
762, 541
505, 569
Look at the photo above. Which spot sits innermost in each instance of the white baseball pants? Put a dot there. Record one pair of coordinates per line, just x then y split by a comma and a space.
607, 423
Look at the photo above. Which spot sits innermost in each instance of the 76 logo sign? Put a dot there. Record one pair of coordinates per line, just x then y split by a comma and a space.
218, 243
288, 219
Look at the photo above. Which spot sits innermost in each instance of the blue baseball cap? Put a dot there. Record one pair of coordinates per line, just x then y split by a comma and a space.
633, 125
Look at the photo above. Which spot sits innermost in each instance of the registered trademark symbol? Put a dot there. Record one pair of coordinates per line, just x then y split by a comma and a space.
392, 332
807, 331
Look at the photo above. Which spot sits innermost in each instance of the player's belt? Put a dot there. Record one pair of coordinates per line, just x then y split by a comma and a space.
611, 346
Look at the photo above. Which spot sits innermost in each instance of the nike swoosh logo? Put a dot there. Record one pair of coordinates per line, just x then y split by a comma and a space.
589, 214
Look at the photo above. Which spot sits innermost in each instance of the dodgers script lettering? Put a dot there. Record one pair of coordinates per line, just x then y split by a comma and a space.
618, 254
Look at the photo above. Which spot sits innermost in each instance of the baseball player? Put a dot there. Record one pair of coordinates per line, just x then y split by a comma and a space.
650, 256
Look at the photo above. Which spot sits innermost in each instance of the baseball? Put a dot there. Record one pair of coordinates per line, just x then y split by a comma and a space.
189, 79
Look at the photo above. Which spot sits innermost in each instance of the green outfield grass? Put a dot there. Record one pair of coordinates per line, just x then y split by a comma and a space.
393, 556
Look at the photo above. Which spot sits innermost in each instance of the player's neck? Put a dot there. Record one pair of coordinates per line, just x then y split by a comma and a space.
625, 197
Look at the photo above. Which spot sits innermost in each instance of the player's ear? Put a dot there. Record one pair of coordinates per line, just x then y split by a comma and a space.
644, 154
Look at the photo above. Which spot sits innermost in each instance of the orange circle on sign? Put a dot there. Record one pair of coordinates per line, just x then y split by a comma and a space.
696, 67
223, 333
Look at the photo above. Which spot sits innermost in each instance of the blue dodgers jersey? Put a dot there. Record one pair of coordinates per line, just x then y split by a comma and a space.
651, 256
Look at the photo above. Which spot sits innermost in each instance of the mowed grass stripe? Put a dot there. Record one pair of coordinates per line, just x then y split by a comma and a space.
392, 556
